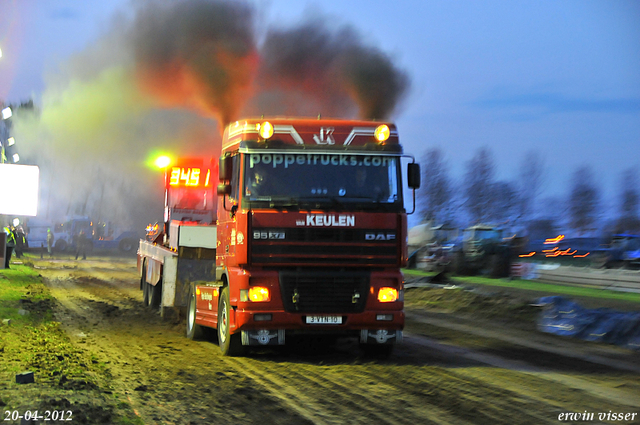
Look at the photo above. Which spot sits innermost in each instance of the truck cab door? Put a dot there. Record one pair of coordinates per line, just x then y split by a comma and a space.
227, 211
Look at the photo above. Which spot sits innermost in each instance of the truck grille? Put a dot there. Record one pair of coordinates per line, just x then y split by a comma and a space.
324, 292
337, 247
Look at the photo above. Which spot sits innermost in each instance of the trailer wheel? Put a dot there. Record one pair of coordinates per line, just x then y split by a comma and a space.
143, 275
155, 295
145, 293
230, 345
194, 331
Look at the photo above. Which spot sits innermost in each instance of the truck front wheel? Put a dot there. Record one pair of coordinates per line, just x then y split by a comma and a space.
230, 345
194, 331
377, 351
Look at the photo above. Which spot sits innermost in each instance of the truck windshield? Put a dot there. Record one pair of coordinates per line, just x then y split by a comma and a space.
481, 234
336, 178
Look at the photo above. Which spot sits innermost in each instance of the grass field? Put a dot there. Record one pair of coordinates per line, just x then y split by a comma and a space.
31, 340
22, 285
538, 288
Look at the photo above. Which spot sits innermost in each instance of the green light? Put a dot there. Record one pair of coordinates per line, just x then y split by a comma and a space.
163, 161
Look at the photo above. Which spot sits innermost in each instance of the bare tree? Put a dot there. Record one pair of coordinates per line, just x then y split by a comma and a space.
506, 202
531, 179
628, 220
436, 192
478, 185
583, 201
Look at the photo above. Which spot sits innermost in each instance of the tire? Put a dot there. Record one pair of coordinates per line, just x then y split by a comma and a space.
127, 245
155, 295
143, 276
459, 266
194, 331
495, 266
230, 345
377, 351
60, 245
145, 293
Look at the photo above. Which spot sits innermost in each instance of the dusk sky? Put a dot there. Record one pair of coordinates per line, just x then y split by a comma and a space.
559, 77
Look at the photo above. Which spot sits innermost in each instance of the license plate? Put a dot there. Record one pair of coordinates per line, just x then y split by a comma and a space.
324, 320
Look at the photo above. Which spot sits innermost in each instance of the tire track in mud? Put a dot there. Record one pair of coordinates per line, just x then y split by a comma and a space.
485, 393
163, 376
393, 394
349, 402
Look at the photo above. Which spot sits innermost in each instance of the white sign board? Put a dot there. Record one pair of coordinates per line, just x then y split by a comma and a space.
19, 189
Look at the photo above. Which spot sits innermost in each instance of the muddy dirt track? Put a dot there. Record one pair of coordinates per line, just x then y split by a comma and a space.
451, 369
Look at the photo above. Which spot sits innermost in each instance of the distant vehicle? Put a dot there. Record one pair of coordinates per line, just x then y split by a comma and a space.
37, 235
102, 235
624, 251
430, 246
483, 250
433, 257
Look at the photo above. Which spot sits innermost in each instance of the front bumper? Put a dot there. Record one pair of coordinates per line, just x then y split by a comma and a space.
271, 328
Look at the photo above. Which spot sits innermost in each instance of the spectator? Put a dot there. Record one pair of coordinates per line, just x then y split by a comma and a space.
50, 240
11, 242
21, 241
81, 245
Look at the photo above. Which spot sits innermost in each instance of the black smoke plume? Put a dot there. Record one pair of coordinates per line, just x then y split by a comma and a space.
197, 54
335, 68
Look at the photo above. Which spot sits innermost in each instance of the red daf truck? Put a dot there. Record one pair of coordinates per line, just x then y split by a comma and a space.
309, 236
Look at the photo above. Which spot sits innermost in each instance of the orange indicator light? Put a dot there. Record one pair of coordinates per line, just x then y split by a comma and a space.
531, 254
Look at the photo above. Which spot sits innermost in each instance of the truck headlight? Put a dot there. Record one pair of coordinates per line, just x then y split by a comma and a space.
387, 295
255, 294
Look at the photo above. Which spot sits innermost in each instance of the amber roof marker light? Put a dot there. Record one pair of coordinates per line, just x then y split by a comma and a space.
382, 133
265, 130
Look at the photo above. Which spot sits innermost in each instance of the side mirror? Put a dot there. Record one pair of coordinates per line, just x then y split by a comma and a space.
224, 168
413, 175
224, 189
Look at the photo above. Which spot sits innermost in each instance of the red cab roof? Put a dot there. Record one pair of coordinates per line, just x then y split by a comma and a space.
309, 131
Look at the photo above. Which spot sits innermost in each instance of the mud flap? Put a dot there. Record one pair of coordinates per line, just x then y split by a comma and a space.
263, 337
380, 336
169, 282
192, 270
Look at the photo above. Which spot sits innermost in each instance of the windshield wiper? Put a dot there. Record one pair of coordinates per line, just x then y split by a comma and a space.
309, 202
291, 202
